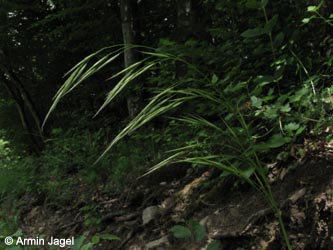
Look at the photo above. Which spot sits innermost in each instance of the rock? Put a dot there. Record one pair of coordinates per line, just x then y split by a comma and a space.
157, 243
149, 214
204, 221
297, 195
167, 205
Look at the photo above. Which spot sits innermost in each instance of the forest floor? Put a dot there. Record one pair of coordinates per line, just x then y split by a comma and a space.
232, 213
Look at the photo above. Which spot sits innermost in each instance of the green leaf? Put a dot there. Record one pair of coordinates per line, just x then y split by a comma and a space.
181, 232
256, 102
248, 172
277, 141
199, 231
109, 237
271, 112
87, 246
191, 43
285, 108
214, 245
166, 42
14, 248
95, 239
291, 126
278, 73
279, 39
232, 88
159, 104
270, 24
264, 3
313, 8
299, 95
252, 4
308, 19
214, 79
225, 174
78, 243
253, 32
263, 80
19, 232
128, 77
80, 73
300, 130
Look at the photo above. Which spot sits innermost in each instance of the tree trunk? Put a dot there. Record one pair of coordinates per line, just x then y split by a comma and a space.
26, 109
184, 19
129, 29
184, 25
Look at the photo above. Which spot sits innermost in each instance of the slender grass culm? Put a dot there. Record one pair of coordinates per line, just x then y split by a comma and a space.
237, 153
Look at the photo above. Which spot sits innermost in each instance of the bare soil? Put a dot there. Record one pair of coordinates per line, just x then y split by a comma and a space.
237, 216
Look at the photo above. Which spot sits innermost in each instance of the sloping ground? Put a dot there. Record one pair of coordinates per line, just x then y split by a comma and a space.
237, 217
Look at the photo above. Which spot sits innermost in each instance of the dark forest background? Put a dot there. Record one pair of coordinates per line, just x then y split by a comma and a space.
248, 83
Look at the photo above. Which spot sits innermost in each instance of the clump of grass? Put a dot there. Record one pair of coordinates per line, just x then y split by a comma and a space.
237, 153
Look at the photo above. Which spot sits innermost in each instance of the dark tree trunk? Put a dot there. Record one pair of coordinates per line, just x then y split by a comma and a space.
184, 26
184, 19
28, 114
129, 23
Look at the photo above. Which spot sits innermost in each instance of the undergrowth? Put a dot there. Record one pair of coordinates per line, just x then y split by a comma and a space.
238, 112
